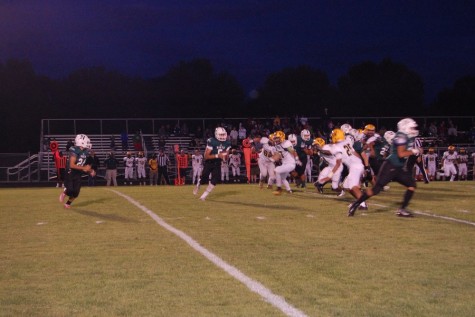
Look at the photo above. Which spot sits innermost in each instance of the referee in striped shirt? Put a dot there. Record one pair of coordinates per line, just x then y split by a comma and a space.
419, 160
163, 161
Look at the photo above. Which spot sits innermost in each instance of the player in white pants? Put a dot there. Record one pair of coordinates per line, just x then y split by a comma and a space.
235, 164
288, 158
224, 171
332, 172
197, 166
449, 158
266, 166
462, 160
129, 162
431, 163
141, 162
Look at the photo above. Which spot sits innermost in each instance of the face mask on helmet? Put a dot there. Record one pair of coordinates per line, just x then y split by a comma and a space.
83, 141
389, 136
346, 128
220, 134
408, 126
305, 135
293, 139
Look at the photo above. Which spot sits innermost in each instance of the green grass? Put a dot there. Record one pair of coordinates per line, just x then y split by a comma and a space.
106, 257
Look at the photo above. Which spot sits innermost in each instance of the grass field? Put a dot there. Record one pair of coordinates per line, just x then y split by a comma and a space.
120, 251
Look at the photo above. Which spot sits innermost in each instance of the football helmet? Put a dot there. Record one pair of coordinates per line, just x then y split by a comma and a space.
305, 135
279, 137
140, 154
451, 148
319, 142
389, 136
431, 150
409, 127
292, 138
369, 129
346, 128
221, 134
462, 150
337, 135
83, 141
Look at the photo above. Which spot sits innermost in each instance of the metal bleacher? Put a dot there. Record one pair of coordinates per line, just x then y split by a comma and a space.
101, 145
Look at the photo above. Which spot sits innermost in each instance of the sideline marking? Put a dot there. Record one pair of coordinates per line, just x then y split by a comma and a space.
253, 285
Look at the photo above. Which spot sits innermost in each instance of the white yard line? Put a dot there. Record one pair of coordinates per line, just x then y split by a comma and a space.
253, 285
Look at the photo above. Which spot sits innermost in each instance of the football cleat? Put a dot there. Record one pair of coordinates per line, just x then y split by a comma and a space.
278, 192
66, 206
319, 187
289, 192
342, 193
352, 209
404, 213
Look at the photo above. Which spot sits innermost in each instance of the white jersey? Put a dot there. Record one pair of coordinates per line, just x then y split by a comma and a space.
431, 159
129, 161
327, 153
462, 159
344, 150
197, 160
449, 159
267, 150
141, 162
235, 159
284, 149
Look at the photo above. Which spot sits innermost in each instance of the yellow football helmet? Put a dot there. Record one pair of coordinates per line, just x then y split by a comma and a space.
369, 128
319, 142
462, 150
337, 135
279, 137
431, 150
451, 148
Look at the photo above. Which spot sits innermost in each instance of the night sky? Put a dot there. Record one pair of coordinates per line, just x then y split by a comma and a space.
248, 39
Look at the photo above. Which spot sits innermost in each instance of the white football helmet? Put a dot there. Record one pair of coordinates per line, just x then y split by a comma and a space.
357, 136
221, 134
305, 135
83, 141
346, 128
409, 127
389, 136
292, 138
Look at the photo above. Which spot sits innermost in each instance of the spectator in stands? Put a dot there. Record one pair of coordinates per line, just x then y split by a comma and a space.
153, 164
234, 135
124, 138
242, 133
433, 129
95, 163
452, 133
162, 132
163, 162
69, 144
138, 141
111, 164
112, 143
162, 143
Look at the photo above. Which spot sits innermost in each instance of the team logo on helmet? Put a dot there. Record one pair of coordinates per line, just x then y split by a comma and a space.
305, 135
83, 141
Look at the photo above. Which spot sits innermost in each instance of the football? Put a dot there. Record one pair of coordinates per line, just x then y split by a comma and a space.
276, 156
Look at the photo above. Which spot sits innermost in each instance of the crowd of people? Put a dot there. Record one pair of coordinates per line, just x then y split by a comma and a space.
361, 162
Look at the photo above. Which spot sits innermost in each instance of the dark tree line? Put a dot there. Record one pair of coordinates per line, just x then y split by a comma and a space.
194, 89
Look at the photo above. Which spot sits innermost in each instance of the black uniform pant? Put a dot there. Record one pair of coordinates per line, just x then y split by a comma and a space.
162, 170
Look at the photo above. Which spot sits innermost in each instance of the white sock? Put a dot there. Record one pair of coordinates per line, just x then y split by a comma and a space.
207, 191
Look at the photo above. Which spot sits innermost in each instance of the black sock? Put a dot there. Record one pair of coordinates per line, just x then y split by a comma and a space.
407, 198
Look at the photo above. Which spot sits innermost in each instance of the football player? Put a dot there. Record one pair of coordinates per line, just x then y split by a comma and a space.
303, 147
75, 168
129, 162
431, 162
344, 152
462, 160
394, 167
141, 163
288, 158
235, 164
197, 166
449, 158
331, 172
266, 165
217, 149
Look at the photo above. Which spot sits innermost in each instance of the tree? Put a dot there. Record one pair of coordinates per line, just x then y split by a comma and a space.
300, 90
384, 89
457, 101
193, 89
